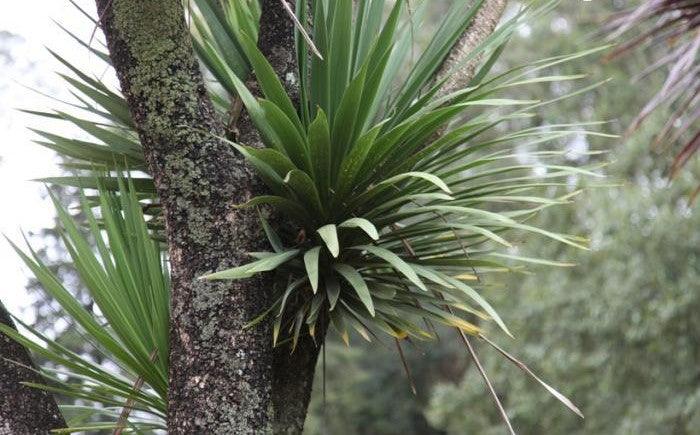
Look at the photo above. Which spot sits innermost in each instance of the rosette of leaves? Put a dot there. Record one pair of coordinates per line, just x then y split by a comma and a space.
402, 199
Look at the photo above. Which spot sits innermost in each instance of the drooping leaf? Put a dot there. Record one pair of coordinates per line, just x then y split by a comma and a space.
358, 283
247, 270
311, 261
329, 235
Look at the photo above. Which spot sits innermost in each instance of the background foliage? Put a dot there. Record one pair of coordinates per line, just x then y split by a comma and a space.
617, 332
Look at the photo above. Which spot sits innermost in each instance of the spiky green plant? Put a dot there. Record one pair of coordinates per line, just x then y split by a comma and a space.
402, 199
398, 220
123, 269
395, 218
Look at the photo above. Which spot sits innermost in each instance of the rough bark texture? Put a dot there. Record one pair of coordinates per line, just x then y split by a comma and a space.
482, 25
293, 376
223, 378
23, 410
292, 373
220, 373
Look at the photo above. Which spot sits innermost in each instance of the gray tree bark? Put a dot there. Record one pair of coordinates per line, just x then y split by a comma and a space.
483, 24
220, 373
222, 376
23, 410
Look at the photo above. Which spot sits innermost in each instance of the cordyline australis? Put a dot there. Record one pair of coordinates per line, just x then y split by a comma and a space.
324, 172
674, 25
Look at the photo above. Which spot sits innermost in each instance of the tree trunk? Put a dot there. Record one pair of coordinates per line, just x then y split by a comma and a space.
23, 410
481, 27
221, 375
293, 376
223, 378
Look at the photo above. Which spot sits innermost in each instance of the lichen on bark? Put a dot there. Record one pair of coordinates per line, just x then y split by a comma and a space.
220, 372
223, 378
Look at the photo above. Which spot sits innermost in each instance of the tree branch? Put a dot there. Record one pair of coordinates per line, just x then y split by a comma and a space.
23, 410
482, 25
292, 373
220, 373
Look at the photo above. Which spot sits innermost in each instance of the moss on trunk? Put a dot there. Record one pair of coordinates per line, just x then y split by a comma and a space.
220, 373
222, 378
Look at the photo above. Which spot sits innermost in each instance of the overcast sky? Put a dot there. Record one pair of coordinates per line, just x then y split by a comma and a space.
24, 61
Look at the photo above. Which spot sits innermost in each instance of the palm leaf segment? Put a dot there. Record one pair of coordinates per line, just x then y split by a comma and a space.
129, 283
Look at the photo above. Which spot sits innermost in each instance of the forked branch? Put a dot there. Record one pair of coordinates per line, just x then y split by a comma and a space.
482, 25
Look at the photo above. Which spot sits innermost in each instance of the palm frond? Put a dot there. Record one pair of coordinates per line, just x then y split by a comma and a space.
128, 281
674, 25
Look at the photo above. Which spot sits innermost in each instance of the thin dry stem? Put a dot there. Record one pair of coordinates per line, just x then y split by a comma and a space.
124, 416
482, 372
406, 369
470, 349
301, 29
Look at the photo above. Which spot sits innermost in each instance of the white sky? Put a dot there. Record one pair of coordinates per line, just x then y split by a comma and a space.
22, 203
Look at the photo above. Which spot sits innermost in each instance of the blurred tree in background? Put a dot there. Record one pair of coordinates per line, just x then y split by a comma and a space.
368, 393
618, 332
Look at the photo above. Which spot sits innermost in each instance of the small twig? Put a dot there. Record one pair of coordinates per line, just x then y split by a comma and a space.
483, 374
563, 399
410, 250
405, 367
406, 246
301, 29
412, 254
99, 23
124, 416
